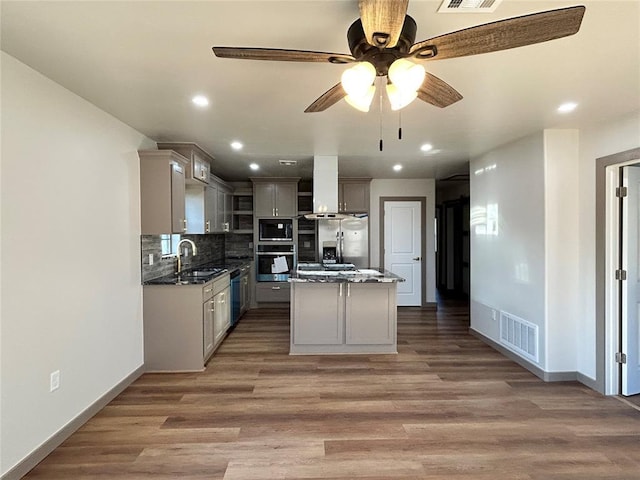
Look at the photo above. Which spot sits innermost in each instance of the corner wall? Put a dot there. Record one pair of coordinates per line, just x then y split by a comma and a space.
425, 187
71, 293
507, 238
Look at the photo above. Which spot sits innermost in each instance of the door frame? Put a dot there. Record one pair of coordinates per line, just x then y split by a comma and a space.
607, 306
423, 239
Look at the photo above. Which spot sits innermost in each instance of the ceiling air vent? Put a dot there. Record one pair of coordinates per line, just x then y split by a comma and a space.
468, 6
288, 163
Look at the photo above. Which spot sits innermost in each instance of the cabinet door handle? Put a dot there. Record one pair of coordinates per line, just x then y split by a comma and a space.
208, 228
184, 229
207, 290
277, 212
340, 294
345, 206
416, 258
348, 290
275, 288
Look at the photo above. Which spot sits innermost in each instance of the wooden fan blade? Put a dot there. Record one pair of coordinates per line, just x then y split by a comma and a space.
437, 92
502, 35
382, 21
281, 55
328, 98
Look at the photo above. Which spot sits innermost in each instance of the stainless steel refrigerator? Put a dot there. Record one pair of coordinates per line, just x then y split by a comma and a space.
344, 241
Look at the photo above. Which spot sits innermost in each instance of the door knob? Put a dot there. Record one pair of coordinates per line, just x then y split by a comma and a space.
416, 258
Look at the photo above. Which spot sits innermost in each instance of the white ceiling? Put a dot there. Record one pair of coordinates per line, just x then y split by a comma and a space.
142, 61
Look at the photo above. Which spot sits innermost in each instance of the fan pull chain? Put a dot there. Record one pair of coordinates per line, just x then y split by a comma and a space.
399, 124
381, 145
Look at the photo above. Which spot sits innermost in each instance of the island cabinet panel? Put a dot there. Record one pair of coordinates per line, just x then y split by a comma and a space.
319, 315
343, 317
370, 314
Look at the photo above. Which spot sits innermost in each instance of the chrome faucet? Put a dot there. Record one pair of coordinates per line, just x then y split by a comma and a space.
193, 247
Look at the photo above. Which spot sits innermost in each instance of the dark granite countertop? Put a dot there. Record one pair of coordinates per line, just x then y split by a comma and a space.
318, 273
202, 273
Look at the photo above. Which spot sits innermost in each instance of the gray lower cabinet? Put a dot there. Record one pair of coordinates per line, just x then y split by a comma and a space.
343, 318
318, 310
221, 315
272, 292
184, 324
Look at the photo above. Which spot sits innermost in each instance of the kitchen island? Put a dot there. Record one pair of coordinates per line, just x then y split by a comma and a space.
340, 311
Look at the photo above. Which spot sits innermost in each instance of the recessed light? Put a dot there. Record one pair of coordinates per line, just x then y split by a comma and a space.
397, 168
254, 166
567, 107
236, 145
200, 100
426, 147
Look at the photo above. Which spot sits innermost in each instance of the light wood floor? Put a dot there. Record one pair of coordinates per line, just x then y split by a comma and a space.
446, 407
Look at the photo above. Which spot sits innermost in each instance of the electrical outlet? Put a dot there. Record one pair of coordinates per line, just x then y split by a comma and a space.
54, 381
151, 259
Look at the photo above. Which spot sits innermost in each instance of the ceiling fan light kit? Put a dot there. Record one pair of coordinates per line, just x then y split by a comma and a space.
399, 98
357, 81
383, 39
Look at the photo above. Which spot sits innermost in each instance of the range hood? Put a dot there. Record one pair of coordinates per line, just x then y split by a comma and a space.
325, 189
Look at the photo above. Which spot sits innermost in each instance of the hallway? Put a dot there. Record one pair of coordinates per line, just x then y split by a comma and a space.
447, 406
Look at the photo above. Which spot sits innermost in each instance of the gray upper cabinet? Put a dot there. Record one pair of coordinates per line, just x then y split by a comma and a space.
222, 221
353, 195
199, 161
162, 192
275, 197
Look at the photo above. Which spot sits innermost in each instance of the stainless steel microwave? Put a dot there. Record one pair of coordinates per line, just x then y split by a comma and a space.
275, 229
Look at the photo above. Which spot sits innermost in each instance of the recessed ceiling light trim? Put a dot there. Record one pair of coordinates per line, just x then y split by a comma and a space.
427, 147
254, 166
397, 167
567, 107
236, 145
200, 100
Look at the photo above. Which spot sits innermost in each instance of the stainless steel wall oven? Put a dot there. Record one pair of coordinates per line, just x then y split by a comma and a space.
274, 263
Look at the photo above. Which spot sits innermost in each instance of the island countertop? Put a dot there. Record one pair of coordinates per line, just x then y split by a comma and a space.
319, 273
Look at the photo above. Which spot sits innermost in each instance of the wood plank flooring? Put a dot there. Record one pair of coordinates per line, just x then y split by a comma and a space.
447, 406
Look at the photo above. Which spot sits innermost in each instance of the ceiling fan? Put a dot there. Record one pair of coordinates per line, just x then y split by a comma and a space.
382, 44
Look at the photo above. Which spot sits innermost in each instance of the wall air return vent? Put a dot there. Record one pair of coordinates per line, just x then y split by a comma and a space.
468, 6
519, 336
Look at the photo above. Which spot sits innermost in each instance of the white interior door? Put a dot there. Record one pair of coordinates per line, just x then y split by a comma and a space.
630, 325
403, 247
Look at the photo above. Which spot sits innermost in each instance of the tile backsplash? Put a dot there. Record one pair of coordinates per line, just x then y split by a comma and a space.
211, 249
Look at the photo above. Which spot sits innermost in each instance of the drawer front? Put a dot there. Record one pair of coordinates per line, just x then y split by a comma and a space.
220, 283
272, 292
207, 291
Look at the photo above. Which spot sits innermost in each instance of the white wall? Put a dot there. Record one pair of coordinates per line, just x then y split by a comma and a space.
606, 138
507, 236
541, 264
424, 187
71, 294
562, 244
